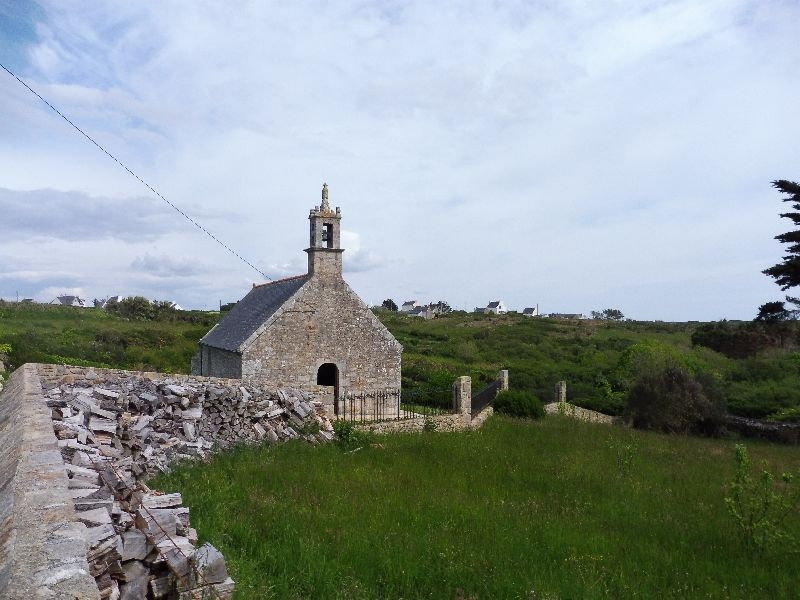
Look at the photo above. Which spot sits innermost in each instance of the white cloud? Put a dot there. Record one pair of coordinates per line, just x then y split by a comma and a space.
167, 266
52, 214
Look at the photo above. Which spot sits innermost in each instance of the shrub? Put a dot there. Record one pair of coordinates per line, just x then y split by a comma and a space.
674, 401
761, 506
732, 340
519, 403
761, 399
349, 437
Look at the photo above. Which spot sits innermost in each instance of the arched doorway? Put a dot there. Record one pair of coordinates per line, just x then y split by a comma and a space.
328, 374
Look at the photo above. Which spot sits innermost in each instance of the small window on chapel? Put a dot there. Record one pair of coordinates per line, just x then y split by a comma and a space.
327, 234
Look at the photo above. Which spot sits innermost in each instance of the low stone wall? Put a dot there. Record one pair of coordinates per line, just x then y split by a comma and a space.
446, 422
582, 414
773, 431
43, 546
479, 419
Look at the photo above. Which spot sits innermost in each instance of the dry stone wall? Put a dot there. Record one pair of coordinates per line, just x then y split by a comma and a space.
115, 428
104, 431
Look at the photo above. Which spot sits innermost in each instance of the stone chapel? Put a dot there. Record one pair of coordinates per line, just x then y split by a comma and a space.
310, 332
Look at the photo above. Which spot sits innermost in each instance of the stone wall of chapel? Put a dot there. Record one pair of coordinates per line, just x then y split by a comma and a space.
214, 362
325, 323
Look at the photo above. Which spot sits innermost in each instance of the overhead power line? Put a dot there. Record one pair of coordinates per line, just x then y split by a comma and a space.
142, 181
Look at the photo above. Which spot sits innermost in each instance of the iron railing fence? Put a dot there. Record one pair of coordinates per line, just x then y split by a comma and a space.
485, 397
427, 402
391, 405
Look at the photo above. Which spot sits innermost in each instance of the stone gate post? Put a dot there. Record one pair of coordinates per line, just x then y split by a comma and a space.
462, 395
561, 391
502, 379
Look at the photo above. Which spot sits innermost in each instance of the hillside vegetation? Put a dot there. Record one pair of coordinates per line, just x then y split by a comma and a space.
755, 368
43, 333
602, 360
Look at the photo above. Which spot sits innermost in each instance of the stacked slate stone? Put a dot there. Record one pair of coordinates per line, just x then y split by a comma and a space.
113, 437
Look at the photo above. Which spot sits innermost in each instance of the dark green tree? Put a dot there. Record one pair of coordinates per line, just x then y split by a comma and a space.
771, 312
136, 308
673, 400
608, 314
441, 307
739, 340
389, 304
787, 273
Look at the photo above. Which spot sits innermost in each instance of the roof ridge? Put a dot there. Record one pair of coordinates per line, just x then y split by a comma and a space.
293, 277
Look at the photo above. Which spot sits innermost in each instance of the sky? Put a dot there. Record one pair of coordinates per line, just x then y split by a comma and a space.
574, 155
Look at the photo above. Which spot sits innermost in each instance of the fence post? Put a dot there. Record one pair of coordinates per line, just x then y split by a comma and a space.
502, 380
462, 395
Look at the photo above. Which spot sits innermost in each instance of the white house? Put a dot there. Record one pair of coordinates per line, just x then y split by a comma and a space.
422, 311
531, 312
409, 306
497, 307
66, 300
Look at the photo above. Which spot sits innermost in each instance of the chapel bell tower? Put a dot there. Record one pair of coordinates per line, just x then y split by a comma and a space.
324, 253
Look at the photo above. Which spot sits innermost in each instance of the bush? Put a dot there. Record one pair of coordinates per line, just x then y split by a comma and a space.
674, 401
761, 505
519, 403
349, 437
732, 340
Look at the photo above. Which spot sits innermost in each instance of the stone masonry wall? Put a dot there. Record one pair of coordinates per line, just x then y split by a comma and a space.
441, 423
219, 363
43, 548
178, 416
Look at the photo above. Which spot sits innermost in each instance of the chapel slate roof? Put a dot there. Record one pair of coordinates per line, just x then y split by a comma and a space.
250, 313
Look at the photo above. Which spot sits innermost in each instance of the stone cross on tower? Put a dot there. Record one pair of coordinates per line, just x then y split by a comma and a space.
325, 206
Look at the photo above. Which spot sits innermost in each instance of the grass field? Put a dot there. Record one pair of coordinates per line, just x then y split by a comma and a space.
550, 509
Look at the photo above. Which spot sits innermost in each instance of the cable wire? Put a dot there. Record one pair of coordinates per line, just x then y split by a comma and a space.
142, 181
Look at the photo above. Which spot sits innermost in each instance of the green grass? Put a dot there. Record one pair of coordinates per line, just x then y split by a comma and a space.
552, 509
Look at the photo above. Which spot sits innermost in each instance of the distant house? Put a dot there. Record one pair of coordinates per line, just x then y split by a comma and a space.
103, 303
531, 312
69, 301
409, 306
497, 308
422, 311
